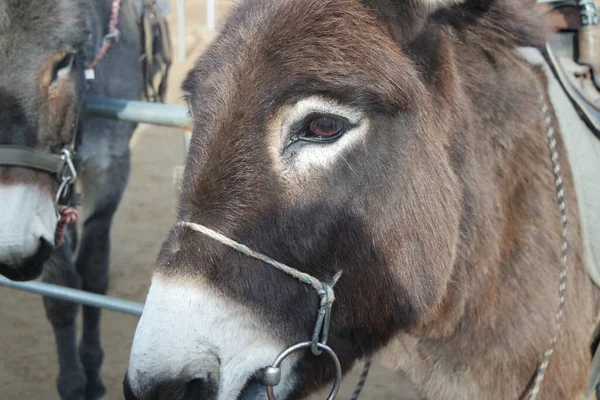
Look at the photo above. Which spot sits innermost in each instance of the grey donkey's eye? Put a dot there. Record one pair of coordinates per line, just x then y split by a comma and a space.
63, 66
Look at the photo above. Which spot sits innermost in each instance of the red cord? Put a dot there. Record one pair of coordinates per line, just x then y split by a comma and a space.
68, 215
113, 32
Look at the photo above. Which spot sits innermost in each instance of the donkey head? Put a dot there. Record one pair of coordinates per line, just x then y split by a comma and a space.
321, 138
41, 88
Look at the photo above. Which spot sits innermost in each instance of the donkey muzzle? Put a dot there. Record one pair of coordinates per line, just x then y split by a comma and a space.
27, 224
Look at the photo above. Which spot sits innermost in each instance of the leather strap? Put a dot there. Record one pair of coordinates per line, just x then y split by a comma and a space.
156, 53
594, 376
16, 156
588, 113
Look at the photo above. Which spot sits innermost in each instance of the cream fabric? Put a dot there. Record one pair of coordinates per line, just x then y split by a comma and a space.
583, 152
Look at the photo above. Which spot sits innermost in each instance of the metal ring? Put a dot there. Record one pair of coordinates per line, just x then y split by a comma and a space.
305, 345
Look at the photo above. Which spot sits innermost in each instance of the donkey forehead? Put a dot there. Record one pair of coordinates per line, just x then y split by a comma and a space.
33, 35
49, 25
272, 52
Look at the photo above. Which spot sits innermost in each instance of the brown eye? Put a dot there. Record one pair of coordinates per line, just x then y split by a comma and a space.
327, 127
320, 129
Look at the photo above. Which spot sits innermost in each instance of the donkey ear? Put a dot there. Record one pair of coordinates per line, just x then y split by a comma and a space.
435, 5
406, 18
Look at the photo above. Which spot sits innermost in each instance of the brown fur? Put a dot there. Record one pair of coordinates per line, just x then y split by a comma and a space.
445, 224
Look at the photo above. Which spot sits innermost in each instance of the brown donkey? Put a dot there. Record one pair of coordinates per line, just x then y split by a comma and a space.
403, 144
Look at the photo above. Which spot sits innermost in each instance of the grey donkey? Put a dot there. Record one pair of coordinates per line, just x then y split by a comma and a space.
45, 47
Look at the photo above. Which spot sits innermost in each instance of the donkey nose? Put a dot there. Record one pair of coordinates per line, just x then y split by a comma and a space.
27, 226
28, 268
200, 389
195, 389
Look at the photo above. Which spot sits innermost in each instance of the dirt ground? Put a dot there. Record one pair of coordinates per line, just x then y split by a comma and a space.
28, 362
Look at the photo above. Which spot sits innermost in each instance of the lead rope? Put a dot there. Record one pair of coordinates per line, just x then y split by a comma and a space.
362, 380
111, 36
562, 286
324, 290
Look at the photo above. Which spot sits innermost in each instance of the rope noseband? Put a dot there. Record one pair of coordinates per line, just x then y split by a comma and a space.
324, 290
272, 375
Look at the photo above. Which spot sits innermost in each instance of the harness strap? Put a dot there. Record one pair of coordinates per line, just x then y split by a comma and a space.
156, 55
594, 376
587, 112
15, 156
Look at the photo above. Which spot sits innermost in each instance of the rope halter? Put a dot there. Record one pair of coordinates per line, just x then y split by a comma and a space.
271, 376
324, 290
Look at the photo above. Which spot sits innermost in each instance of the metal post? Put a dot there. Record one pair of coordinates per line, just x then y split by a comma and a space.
76, 296
210, 15
181, 29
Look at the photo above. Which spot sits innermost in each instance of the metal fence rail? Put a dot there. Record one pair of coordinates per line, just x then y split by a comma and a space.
76, 296
139, 111
123, 110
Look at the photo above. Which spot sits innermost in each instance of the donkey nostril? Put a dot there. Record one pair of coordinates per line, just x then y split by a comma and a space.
29, 268
127, 390
44, 251
200, 389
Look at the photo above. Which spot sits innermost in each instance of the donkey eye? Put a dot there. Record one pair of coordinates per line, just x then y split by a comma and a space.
63, 67
319, 128
325, 128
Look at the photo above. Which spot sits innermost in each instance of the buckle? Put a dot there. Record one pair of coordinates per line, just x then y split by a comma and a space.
112, 36
588, 13
68, 172
67, 178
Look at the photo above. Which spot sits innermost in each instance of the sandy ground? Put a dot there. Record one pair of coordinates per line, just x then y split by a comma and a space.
28, 363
